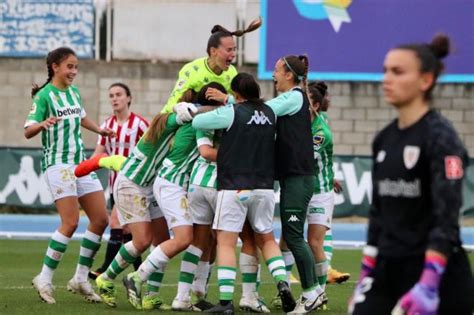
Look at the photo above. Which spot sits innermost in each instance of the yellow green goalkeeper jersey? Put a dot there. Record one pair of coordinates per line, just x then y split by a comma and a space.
323, 151
204, 172
193, 76
62, 142
142, 164
177, 165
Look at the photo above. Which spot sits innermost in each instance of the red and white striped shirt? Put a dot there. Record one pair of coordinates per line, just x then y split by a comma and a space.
127, 136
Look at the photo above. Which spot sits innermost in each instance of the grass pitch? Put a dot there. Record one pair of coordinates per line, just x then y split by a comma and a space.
21, 260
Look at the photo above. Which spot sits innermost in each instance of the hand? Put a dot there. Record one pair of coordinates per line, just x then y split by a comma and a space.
184, 112
420, 300
107, 132
337, 186
49, 122
216, 95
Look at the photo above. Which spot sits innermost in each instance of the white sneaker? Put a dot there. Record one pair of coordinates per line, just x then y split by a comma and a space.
253, 303
184, 306
304, 306
44, 289
84, 289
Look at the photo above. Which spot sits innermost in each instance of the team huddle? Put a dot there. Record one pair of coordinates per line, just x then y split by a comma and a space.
204, 168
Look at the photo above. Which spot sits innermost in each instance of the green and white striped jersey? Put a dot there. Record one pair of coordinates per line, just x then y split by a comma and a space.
142, 164
204, 172
177, 165
323, 150
62, 142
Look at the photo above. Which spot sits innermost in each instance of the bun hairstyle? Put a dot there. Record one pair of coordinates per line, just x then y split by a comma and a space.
218, 32
54, 56
298, 66
430, 56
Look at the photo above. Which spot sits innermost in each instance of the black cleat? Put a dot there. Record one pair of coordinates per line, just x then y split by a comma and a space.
227, 309
203, 305
287, 301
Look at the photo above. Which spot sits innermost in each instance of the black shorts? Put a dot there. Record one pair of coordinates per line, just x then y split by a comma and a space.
394, 277
111, 202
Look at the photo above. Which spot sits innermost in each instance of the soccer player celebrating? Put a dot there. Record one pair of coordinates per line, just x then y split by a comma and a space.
129, 128
216, 67
414, 259
245, 176
58, 114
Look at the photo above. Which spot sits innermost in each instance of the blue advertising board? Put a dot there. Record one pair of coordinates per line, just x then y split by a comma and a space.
348, 39
31, 28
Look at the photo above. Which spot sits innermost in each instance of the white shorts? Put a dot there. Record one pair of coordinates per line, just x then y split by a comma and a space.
320, 209
202, 204
134, 203
63, 183
173, 202
233, 206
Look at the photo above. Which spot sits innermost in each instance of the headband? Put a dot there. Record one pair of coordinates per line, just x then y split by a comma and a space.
300, 77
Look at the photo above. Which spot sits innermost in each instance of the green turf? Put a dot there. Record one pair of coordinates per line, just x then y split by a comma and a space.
20, 261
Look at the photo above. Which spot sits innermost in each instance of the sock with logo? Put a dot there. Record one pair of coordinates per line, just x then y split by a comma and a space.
56, 248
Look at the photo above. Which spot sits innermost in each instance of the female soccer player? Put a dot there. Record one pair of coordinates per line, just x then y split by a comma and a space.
245, 175
295, 170
216, 67
129, 128
414, 258
136, 208
58, 114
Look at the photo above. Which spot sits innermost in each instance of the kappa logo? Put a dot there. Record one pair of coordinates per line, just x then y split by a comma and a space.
259, 118
293, 218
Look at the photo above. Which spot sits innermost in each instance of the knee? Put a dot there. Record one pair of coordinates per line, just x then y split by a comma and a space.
142, 243
68, 227
183, 241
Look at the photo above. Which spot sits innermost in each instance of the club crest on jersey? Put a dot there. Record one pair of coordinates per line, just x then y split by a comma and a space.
180, 83
453, 167
318, 141
380, 156
411, 154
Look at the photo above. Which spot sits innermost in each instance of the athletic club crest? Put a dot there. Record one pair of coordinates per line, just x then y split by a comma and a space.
411, 154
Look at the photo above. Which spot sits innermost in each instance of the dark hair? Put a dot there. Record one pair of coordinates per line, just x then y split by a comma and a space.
298, 66
315, 94
125, 87
54, 56
430, 56
246, 85
218, 32
201, 95
321, 86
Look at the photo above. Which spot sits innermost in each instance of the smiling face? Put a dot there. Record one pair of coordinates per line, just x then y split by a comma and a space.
119, 99
403, 82
224, 54
283, 79
65, 71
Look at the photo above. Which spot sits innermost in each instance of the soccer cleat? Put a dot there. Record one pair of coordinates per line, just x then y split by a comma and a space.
133, 285
44, 289
335, 276
153, 301
84, 289
88, 166
276, 302
304, 306
227, 309
287, 301
106, 291
183, 306
203, 305
93, 274
253, 303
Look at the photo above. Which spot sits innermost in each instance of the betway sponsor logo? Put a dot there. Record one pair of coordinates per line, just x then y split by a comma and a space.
399, 188
70, 111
